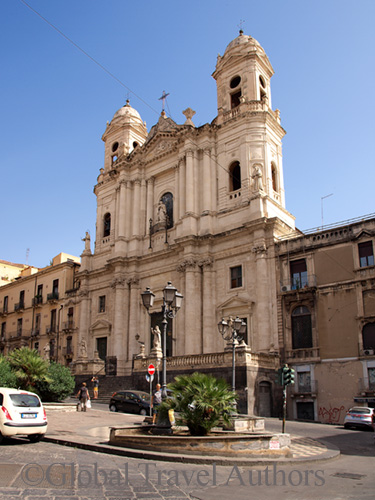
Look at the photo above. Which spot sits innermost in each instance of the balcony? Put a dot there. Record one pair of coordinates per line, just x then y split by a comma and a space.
302, 354
19, 307
4, 312
67, 352
295, 284
50, 330
53, 297
35, 333
37, 301
68, 326
306, 389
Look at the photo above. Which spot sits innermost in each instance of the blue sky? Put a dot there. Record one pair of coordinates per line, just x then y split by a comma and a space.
55, 101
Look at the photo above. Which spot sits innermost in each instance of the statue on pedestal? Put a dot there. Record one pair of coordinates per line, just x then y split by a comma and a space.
83, 349
156, 350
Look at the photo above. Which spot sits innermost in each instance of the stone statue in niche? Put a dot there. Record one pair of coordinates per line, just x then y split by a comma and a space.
257, 178
161, 217
83, 349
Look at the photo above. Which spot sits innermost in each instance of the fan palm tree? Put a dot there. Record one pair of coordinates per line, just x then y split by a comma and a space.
28, 367
201, 401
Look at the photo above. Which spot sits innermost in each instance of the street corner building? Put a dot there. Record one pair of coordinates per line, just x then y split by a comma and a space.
204, 208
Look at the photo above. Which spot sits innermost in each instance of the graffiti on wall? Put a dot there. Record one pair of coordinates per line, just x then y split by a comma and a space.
331, 415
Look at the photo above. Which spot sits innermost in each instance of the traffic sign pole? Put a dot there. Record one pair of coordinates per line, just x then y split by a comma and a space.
151, 371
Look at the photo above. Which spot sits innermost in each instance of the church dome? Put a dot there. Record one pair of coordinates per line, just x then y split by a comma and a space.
127, 113
243, 40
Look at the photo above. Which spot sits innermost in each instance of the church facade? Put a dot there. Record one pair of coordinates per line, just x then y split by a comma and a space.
198, 207
204, 208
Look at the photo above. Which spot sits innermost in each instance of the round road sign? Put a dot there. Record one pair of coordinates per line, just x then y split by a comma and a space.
151, 369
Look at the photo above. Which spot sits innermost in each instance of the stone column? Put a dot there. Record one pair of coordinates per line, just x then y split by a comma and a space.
128, 210
181, 191
263, 324
119, 318
189, 184
193, 307
207, 179
150, 201
84, 318
208, 307
136, 207
134, 317
176, 197
121, 213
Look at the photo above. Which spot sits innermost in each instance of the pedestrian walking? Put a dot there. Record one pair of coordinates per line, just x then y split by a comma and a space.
83, 396
95, 382
155, 402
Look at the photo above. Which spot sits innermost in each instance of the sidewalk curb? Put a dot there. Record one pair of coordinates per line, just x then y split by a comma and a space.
331, 454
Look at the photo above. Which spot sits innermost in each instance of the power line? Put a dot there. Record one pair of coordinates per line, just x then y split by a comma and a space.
87, 55
106, 70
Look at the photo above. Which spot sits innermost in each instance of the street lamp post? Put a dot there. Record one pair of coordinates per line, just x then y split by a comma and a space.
172, 301
232, 330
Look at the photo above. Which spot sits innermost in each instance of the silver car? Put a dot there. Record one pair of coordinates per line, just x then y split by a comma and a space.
360, 416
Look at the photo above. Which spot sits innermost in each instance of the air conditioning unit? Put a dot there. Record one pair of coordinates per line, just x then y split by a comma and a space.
368, 352
286, 288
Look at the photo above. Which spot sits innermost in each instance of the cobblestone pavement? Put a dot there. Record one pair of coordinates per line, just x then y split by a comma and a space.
43, 470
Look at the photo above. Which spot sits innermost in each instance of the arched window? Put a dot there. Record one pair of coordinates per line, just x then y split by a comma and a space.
368, 336
235, 176
167, 199
301, 328
107, 224
236, 95
262, 88
274, 177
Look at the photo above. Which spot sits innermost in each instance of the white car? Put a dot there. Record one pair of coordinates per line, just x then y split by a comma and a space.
21, 414
360, 416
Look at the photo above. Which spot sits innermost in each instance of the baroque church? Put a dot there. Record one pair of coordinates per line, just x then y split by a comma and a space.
203, 208
198, 207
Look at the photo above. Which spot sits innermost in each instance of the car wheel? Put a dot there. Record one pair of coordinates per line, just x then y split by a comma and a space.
1, 438
35, 438
113, 407
143, 411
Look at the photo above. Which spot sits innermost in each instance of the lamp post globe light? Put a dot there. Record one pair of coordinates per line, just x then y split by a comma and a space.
232, 330
172, 301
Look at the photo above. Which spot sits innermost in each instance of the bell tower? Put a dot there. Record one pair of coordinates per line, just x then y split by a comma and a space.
250, 133
242, 74
124, 133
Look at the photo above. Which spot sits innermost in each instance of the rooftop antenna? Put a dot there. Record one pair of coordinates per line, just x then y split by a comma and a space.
27, 256
163, 99
321, 201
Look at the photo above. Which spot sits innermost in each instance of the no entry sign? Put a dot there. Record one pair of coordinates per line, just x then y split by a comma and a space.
151, 369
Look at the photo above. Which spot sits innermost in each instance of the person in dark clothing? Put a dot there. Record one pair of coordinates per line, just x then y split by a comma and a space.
83, 396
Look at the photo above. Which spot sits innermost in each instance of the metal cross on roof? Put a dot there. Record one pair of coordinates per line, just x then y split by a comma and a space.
240, 25
163, 98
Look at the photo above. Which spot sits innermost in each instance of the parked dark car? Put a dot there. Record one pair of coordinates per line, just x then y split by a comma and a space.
130, 402
360, 416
